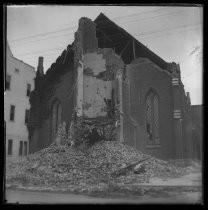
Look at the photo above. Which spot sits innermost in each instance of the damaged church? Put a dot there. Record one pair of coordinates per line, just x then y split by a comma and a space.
108, 82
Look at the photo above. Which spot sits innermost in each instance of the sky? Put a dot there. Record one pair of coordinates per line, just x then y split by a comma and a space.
173, 33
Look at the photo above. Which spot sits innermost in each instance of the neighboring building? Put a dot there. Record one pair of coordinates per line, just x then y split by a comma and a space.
197, 130
107, 76
18, 86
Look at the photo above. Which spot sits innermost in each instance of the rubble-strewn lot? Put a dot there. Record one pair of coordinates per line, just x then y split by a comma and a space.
90, 170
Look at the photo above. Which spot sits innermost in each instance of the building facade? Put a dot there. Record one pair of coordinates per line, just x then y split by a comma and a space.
197, 131
109, 81
19, 83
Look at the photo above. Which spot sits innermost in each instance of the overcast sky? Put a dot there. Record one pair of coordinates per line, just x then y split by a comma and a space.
171, 32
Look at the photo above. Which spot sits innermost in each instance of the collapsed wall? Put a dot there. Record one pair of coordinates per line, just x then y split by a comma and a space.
97, 72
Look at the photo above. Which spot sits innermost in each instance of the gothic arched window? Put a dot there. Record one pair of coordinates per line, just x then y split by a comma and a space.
152, 118
56, 116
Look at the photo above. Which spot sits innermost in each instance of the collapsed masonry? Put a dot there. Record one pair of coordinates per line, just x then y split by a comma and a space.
97, 112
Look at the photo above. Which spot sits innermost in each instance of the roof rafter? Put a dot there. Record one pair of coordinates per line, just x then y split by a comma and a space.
127, 44
102, 20
105, 35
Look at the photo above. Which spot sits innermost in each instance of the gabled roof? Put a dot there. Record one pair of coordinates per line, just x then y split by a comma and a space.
109, 34
9, 53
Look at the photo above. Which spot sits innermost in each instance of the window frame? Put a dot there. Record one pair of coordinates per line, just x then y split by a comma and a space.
151, 116
8, 148
156, 130
155, 140
28, 85
21, 148
7, 75
10, 114
27, 115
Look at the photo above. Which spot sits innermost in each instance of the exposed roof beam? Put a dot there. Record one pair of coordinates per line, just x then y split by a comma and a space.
105, 19
105, 35
125, 47
134, 49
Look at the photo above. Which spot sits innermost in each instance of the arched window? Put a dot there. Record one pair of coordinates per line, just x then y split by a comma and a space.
152, 118
59, 112
56, 116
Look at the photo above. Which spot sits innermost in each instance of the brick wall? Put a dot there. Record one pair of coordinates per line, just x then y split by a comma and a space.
143, 76
197, 131
129, 128
186, 125
57, 84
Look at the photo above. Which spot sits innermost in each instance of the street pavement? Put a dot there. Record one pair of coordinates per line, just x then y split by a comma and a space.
175, 196
37, 197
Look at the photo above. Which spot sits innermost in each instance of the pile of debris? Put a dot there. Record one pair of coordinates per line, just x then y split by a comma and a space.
103, 164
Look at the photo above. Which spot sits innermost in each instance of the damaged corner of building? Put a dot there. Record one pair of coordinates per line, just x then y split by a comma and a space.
96, 82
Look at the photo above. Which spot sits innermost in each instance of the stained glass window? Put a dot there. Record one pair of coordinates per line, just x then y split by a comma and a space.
152, 118
156, 118
149, 118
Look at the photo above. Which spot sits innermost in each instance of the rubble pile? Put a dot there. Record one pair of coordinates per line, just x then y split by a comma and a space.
89, 131
88, 167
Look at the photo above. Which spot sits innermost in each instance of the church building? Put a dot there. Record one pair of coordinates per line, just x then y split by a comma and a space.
109, 78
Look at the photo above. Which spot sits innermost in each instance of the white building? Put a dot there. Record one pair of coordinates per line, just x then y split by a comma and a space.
19, 83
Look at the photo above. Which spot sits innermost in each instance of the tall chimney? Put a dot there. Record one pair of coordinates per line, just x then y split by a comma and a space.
40, 67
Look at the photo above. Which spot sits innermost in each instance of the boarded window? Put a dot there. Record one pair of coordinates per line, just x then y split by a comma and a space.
152, 118
10, 145
12, 112
8, 82
28, 89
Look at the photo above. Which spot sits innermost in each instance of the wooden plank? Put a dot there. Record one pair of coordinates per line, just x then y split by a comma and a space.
124, 170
